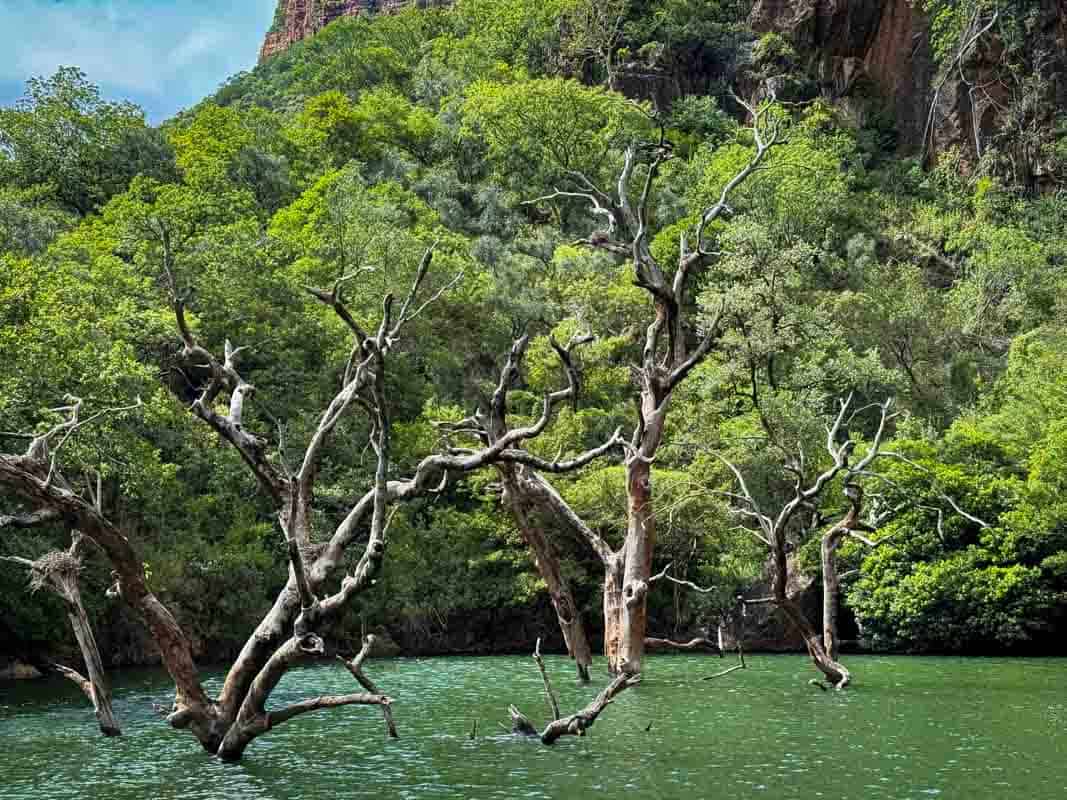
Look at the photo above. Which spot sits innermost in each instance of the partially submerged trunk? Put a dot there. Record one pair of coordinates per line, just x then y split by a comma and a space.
827, 664
576, 724
530, 516
534, 503
631, 615
834, 672
58, 572
831, 589
96, 687
613, 612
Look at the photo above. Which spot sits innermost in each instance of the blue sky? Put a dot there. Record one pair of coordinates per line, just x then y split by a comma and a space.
163, 54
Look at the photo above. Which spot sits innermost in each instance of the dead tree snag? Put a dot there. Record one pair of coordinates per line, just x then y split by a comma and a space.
59, 573
809, 497
533, 502
576, 724
672, 349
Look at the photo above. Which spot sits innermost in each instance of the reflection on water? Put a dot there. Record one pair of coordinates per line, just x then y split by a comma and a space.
910, 728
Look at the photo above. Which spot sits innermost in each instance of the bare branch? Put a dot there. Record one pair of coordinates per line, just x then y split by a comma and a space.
30, 520
276, 718
664, 574
765, 522
355, 667
699, 643
550, 696
577, 724
568, 465
955, 506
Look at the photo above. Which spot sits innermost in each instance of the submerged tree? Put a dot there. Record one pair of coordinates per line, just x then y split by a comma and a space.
809, 511
59, 572
672, 349
532, 500
294, 628
297, 626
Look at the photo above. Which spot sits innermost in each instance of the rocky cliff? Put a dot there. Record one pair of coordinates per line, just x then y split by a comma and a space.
861, 51
298, 19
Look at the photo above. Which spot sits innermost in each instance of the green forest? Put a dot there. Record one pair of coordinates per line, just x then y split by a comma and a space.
670, 342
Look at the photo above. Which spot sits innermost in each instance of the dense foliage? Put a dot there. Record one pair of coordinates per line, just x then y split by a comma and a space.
844, 269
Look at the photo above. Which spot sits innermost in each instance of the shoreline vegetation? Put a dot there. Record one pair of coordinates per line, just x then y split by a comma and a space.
610, 327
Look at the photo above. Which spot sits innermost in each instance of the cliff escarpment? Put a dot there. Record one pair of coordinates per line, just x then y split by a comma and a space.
295, 20
1005, 65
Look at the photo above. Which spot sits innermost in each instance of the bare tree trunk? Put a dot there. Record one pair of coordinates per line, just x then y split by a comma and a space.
96, 688
831, 590
835, 672
525, 508
631, 613
59, 572
534, 503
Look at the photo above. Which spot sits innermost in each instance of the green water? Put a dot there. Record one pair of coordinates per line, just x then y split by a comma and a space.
973, 729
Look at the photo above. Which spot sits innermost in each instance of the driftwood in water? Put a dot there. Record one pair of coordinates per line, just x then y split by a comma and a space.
576, 724
698, 643
740, 643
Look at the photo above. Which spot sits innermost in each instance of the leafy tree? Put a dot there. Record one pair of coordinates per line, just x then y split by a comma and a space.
62, 135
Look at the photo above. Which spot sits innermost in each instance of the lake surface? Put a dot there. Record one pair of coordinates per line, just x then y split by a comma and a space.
908, 729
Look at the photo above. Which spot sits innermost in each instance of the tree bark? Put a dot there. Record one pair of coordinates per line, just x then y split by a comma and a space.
530, 515
613, 611
96, 687
59, 573
630, 600
831, 589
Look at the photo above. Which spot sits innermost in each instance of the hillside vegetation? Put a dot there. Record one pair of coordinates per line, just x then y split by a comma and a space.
843, 267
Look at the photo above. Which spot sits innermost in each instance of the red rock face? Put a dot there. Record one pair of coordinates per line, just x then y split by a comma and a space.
298, 19
887, 43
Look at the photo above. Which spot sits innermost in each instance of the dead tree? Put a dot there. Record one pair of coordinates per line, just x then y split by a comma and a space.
672, 348
293, 629
529, 497
808, 498
303, 612
59, 573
